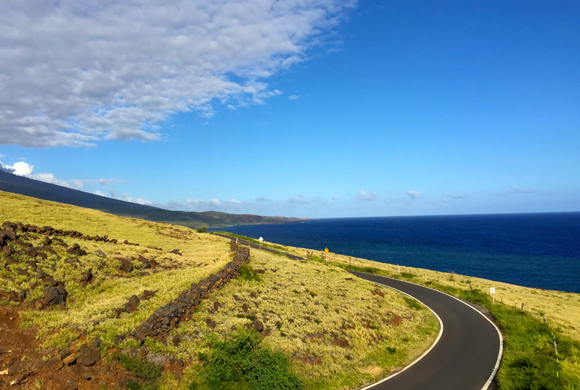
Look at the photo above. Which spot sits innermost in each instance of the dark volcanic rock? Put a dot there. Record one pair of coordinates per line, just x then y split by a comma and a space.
258, 325
30, 251
11, 260
66, 351
166, 317
54, 296
22, 272
125, 265
76, 251
86, 277
146, 295
88, 356
132, 304
54, 363
8, 235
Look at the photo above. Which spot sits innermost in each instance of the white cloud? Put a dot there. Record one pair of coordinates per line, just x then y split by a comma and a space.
202, 205
100, 193
22, 168
259, 205
366, 195
522, 190
413, 194
293, 97
84, 72
140, 201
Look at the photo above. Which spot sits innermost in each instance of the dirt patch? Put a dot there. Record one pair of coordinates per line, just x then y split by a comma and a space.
25, 365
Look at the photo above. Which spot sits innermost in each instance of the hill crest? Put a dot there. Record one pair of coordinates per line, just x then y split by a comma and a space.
47, 191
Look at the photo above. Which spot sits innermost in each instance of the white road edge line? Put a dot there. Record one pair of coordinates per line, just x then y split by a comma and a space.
500, 354
420, 357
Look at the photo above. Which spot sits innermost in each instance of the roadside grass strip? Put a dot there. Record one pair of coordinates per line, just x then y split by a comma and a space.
536, 355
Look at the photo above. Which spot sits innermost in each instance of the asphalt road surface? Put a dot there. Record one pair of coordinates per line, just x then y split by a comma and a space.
466, 356
256, 246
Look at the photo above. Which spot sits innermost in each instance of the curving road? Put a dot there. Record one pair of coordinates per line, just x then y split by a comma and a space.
465, 357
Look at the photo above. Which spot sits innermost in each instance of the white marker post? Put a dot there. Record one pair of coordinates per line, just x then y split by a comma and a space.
492, 293
261, 239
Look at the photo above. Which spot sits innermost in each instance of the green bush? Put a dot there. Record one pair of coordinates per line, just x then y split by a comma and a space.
247, 273
145, 370
413, 304
240, 362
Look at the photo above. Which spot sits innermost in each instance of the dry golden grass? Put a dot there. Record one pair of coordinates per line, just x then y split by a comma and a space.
335, 327
339, 331
560, 308
92, 308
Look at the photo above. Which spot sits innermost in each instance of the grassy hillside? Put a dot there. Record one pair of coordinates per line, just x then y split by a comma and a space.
309, 324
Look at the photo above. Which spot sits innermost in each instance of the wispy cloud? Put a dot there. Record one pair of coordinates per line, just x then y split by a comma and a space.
521, 190
293, 97
454, 197
84, 72
259, 205
413, 194
366, 195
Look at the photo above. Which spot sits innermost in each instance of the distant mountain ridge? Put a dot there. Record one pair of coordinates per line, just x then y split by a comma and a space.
38, 189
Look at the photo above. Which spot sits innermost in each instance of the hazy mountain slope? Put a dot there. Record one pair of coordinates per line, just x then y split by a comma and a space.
38, 189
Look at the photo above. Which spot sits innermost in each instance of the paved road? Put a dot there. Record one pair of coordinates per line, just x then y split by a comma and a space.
464, 358
256, 246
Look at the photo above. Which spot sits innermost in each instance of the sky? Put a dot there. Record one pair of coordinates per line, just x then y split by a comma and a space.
302, 108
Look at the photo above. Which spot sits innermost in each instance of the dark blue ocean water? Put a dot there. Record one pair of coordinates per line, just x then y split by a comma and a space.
534, 250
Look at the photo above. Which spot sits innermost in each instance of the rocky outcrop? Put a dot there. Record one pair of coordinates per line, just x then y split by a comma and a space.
168, 316
8, 233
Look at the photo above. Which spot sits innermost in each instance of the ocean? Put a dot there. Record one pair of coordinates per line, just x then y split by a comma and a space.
534, 250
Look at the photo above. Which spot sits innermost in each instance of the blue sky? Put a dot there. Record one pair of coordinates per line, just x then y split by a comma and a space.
309, 109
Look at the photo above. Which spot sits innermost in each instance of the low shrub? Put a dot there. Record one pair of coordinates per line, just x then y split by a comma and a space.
149, 372
247, 273
240, 362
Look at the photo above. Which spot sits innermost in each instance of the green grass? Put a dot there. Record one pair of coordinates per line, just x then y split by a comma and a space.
241, 362
148, 372
247, 273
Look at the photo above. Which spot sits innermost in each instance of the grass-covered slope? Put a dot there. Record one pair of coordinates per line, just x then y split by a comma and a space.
281, 324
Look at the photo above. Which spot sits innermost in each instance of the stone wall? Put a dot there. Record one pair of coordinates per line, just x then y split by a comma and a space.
168, 316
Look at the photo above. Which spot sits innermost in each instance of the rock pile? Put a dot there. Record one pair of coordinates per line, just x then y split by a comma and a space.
168, 316
10, 229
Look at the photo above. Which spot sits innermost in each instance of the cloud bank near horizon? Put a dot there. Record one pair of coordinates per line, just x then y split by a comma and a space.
83, 73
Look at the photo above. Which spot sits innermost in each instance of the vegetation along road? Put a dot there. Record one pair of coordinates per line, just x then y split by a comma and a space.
465, 357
